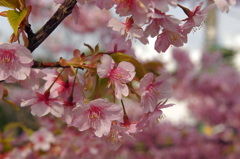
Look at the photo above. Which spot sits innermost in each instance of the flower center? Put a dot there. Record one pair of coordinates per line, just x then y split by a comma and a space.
119, 74
44, 98
7, 56
40, 138
95, 113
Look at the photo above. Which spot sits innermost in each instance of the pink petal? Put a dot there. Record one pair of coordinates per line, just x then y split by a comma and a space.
117, 26
105, 67
103, 129
145, 81
75, 14
104, 4
56, 109
40, 109
28, 102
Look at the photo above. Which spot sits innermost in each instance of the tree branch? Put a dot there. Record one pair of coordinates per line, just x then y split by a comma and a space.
41, 64
36, 39
38, 64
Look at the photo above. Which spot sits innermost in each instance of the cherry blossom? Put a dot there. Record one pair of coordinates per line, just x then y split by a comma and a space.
128, 29
152, 90
160, 19
162, 5
168, 38
68, 111
33, 80
119, 44
98, 19
64, 84
104, 4
97, 114
224, 4
59, 1
196, 16
153, 118
15, 61
136, 8
73, 91
42, 104
117, 136
118, 75
42, 139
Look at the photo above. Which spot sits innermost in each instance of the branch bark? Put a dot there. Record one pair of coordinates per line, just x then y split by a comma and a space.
41, 64
36, 39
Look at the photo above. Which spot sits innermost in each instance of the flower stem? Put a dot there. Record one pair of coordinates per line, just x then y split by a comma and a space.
125, 117
48, 90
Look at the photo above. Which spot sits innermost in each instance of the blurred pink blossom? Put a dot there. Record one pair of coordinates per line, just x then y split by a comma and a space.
223, 5
42, 139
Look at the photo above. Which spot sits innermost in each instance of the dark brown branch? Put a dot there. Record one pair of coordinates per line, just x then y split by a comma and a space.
42, 64
36, 39
38, 64
29, 30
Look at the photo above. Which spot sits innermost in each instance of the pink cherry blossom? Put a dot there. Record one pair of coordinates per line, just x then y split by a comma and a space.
42, 139
119, 44
75, 14
97, 114
15, 61
196, 16
161, 19
167, 38
117, 136
128, 29
151, 119
118, 75
68, 114
152, 90
59, 1
98, 19
136, 8
64, 84
224, 4
162, 5
33, 80
42, 104
104, 4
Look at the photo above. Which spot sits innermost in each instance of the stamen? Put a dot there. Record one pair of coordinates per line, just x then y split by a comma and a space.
7, 56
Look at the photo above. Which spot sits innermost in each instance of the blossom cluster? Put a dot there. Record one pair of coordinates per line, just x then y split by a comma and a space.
80, 99
90, 92
214, 135
146, 18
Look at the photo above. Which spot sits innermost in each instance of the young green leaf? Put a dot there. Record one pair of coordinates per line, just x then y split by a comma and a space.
15, 18
11, 3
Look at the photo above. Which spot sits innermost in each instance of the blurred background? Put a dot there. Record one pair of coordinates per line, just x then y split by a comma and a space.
205, 120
